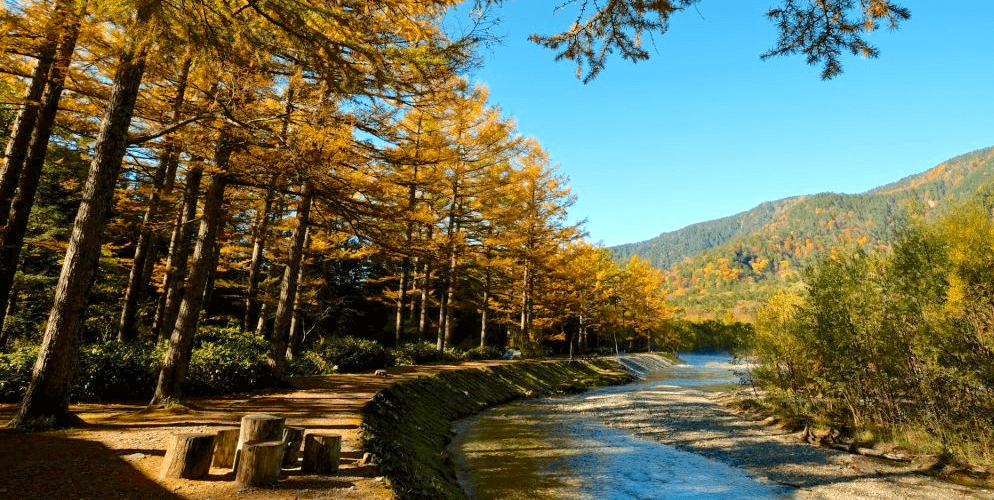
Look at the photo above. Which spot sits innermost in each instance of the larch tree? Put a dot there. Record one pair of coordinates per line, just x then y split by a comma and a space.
820, 30
396, 38
22, 168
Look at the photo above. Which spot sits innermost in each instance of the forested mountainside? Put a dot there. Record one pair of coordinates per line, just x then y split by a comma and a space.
727, 267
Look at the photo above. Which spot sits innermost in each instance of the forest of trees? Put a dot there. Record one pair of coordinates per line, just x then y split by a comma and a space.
295, 171
729, 267
893, 345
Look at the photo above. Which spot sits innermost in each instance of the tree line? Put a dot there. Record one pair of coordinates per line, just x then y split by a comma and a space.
266, 163
892, 345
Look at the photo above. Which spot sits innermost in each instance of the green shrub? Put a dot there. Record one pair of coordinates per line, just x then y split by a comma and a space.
15, 371
416, 353
350, 354
116, 370
485, 352
310, 363
226, 360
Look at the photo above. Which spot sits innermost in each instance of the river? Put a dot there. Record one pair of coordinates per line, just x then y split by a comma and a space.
564, 448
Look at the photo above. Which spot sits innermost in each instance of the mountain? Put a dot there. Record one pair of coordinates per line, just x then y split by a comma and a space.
727, 267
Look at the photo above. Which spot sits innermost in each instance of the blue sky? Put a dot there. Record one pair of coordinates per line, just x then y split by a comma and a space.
705, 129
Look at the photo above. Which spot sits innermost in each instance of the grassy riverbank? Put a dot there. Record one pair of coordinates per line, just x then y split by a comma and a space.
408, 424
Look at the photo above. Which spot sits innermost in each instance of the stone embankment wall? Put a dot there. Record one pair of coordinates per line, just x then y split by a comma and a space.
408, 425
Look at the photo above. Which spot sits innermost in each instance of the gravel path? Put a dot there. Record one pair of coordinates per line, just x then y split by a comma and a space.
694, 421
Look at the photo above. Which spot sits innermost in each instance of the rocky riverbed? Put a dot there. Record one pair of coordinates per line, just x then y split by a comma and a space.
667, 438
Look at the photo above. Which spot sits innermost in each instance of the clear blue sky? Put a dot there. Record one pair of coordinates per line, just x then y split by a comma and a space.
705, 129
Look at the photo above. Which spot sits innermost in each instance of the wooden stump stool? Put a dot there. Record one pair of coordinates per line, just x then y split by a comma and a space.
258, 427
322, 453
225, 446
188, 456
260, 463
294, 438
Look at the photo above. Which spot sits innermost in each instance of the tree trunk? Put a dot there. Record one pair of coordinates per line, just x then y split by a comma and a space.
177, 358
446, 293
212, 275
258, 249
296, 322
288, 289
24, 123
526, 319
263, 326
440, 334
485, 309
423, 311
46, 402
413, 292
12, 235
179, 253
405, 271
401, 300
11, 304
450, 293
162, 184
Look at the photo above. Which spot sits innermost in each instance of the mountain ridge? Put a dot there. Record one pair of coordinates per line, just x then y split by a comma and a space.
731, 264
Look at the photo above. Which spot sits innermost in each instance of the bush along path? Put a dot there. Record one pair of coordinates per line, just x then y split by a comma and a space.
120, 450
407, 426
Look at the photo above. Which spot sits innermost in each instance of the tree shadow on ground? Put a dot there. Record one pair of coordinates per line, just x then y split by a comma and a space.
47, 466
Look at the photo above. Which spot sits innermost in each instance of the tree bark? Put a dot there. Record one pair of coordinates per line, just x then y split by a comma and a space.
212, 276
401, 301
296, 322
24, 123
440, 334
446, 293
46, 402
225, 446
526, 319
11, 304
322, 452
179, 253
260, 463
189, 456
277, 359
485, 308
162, 184
450, 292
423, 306
405, 268
294, 438
177, 358
12, 235
258, 249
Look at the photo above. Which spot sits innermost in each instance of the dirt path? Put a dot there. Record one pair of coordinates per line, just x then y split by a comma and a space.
697, 422
117, 455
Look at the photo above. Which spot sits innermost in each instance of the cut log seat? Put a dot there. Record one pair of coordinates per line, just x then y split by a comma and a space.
258, 427
260, 463
321, 453
225, 446
188, 456
294, 438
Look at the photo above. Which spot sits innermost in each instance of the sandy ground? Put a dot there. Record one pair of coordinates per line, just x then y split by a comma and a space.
119, 453
696, 421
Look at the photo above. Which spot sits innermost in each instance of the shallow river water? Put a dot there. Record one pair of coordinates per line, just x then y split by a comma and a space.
554, 448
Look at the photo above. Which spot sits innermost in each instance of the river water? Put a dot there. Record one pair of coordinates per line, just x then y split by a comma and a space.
553, 448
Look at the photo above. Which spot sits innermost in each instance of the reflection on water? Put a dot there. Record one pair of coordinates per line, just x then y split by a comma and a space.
541, 449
